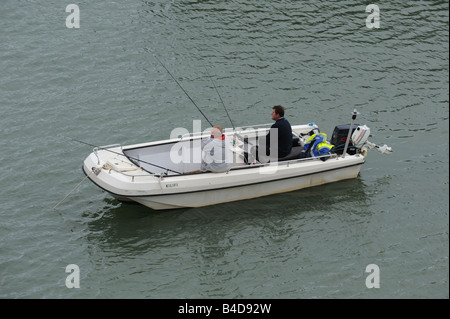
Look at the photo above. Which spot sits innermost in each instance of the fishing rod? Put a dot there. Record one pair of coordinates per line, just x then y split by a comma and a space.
350, 132
162, 64
220, 97
130, 157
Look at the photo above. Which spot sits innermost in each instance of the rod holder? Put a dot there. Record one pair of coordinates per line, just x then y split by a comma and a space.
354, 114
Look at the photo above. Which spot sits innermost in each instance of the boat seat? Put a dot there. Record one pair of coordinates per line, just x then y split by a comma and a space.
297, 147
294, 154
296, 141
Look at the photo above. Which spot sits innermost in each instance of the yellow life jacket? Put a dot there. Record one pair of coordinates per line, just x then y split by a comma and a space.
320, 145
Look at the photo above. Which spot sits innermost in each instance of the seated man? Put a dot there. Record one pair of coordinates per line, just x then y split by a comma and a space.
283, 144
217, 157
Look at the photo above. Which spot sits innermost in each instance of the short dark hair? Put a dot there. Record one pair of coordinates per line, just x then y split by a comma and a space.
279, 110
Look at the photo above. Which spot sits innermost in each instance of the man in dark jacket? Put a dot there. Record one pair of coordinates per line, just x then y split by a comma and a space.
284, 131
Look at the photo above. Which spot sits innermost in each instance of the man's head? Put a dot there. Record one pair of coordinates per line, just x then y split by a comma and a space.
216, 131
277, 112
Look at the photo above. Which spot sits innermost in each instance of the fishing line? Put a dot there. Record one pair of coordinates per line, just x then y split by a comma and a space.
220, 97
162, 64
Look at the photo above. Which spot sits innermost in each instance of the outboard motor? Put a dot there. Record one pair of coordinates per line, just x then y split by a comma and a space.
358, 142
358, 139
360, 136
339, 138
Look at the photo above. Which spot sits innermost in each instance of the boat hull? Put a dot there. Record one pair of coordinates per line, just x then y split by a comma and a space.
172, 192
218, 196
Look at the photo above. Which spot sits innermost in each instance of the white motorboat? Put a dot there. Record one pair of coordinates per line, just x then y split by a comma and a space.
166, 174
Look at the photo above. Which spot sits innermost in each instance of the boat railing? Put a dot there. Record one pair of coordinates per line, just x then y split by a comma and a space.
108, 146
130, 175
105, 147
237, 130
256, 165
195, 135
297, 160
329, 156
253, 126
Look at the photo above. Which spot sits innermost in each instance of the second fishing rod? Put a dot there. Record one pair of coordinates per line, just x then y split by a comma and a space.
185, 92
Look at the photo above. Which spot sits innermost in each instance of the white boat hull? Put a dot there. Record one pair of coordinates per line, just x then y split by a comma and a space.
224, 195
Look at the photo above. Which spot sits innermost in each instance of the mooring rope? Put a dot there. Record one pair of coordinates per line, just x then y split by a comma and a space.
87, 175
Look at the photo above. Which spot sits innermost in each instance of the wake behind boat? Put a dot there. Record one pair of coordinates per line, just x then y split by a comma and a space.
166, 174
